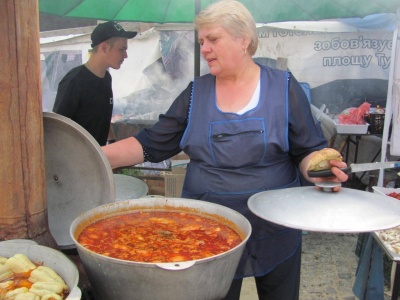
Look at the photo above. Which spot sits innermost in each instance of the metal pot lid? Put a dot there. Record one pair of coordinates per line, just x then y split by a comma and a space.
129, 187
307, 208
78, 175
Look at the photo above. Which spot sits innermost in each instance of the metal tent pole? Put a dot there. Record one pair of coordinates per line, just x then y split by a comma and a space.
196, 44
392, 106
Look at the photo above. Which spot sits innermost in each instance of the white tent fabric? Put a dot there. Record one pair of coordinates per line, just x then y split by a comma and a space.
174, 50
374, 22
160, 62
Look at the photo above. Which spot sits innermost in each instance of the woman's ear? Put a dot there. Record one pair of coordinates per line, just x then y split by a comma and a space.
245, 43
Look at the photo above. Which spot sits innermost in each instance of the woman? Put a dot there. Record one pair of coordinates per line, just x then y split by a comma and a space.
246, 129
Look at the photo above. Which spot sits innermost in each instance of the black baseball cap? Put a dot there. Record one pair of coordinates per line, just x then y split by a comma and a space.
108, 30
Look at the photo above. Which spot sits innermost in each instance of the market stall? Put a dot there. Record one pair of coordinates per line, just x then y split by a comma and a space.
24, 160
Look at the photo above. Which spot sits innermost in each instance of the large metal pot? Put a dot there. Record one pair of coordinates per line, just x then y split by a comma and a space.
49, 257
207, 278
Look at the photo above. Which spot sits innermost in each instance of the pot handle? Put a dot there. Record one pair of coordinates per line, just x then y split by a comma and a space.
176, 266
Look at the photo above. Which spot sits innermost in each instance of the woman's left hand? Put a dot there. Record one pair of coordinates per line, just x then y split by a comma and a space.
339, 175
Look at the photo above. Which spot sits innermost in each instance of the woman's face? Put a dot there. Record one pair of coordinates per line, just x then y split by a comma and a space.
221, 50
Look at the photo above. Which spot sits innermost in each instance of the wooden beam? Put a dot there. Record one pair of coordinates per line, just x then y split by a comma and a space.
23, 209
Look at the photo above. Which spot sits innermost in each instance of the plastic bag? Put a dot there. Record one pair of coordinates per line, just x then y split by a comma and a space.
354, 115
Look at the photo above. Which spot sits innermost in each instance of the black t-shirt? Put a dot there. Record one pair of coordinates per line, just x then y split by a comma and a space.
88, 100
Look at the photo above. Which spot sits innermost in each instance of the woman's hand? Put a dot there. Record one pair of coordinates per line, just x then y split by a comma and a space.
339, 176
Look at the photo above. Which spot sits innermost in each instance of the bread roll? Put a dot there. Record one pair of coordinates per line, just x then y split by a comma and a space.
320, 160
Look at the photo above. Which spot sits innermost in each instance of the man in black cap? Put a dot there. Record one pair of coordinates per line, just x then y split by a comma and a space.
85, 93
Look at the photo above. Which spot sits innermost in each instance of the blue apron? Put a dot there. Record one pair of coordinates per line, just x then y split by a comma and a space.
235, 156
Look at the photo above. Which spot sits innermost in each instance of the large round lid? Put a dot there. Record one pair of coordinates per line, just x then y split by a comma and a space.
78, 175
346, 211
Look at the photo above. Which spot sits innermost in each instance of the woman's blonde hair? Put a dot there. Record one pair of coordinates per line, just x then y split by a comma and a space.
234, 17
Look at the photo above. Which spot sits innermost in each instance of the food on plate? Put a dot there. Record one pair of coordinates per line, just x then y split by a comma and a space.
46, 287
14, 293
21, 279
27, 296
46, 274
354, 115
394, 195
5, 272
159, 236
19, 263
51, 297
320, 159
5, 285
391, 239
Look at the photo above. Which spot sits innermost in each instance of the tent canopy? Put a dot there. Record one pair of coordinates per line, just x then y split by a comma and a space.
183, 11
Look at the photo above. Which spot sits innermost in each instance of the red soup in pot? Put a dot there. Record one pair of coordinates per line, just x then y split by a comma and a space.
159, 236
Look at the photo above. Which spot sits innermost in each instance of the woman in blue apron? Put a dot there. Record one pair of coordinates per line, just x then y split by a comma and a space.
247, 129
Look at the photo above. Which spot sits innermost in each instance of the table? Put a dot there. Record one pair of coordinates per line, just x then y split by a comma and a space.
349, 140
396, 282
396, 259
355, 140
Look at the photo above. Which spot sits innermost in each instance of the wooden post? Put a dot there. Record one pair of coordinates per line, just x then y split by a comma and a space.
23, 208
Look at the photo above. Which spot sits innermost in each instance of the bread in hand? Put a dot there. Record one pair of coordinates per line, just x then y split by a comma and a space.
320, 159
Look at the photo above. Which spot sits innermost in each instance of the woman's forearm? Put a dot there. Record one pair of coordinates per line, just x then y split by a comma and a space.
126, 152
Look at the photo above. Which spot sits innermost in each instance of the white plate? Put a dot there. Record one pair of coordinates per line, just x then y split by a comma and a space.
49, 257
351, 128
129, 187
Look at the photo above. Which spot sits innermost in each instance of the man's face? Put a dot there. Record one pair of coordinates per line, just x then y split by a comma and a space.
117, 52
